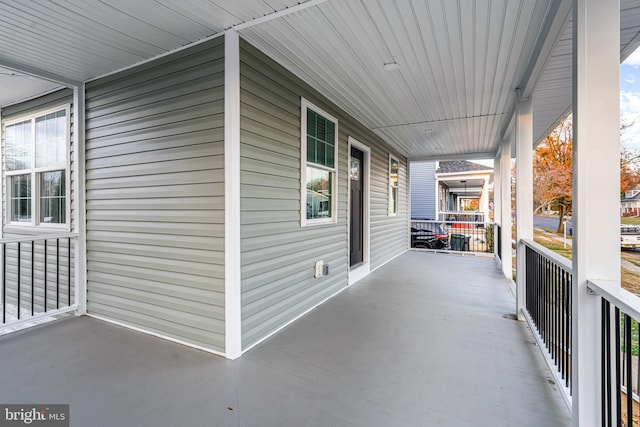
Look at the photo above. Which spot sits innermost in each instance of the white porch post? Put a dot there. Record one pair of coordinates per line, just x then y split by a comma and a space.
233, 304
79, 199
497, 196
484, 200
596, 216
524, 193
505, 208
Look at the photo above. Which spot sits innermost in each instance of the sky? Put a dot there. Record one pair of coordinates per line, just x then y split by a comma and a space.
630, 100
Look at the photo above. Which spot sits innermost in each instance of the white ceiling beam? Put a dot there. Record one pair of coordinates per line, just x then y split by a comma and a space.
556, 18
557, 15
278, 14
37, 72
466, 156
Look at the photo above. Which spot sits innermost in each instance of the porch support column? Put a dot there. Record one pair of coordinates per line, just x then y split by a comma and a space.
79, 199
497, 206
484, 200
524, 193
233, 303
505, 209
596, 184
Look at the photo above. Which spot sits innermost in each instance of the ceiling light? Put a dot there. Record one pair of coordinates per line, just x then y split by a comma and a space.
391, 66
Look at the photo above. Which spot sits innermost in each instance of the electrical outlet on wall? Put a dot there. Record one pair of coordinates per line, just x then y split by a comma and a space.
319, 270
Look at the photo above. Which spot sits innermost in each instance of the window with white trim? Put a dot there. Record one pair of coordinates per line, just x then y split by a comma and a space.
393, 186
319, 147
36, 166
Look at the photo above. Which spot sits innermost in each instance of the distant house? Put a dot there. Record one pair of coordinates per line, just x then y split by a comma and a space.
630, 203
452, 188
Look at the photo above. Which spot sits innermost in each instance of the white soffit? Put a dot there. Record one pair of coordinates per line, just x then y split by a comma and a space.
552, 95
459, 65
14, 86
82, 39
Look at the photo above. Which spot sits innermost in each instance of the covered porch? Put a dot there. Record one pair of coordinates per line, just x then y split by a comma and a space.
428, 339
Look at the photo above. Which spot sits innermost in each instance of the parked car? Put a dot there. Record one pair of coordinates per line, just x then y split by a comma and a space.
630, 236
428, 235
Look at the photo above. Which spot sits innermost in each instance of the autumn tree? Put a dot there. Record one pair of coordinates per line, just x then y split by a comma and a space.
552, 162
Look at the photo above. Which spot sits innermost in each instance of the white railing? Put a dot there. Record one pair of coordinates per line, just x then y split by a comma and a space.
620, 341
469, 216
548, 309
37, 280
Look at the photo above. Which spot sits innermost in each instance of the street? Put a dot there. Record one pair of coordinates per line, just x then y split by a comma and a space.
550, 222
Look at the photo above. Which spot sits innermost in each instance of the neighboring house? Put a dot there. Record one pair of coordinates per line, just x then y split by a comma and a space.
630, 203
162, 239
450, 189
423, 189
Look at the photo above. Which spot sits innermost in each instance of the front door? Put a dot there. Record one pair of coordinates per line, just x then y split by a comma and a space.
356, 176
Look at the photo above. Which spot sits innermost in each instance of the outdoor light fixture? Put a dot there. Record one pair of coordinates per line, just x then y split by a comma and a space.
391, 66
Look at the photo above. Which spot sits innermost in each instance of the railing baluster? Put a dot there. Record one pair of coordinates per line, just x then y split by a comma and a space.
25, 309
57, 273
18, 284
33, 293
4, 283
69, 271
605, 371
618, 376
627, 353
46, 296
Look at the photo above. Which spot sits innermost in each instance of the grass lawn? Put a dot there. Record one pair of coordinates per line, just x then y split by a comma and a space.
630, 220
551, 243
630, 280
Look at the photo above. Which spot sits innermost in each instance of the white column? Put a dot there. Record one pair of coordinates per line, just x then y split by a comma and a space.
524, 193
438, 202
233, 303
496, 201
79, 199
505, 209
484, 200
596, 183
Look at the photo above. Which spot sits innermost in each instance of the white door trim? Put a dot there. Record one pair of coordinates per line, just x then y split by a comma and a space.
363, 269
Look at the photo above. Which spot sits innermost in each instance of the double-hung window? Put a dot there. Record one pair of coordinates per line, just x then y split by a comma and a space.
393, 186
36, 168
319, 165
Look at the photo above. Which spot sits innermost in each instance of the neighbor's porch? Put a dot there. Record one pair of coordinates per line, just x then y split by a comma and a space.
428, 339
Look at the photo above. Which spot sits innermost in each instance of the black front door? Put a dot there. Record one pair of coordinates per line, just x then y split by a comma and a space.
356, 252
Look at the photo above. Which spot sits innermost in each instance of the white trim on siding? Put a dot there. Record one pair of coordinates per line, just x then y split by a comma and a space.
79, 200
233, 291
304, 105
363, 270
35, 172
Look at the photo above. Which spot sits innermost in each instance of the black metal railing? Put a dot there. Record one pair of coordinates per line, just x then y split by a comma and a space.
620, 359
548, 293
463, 236
37, 279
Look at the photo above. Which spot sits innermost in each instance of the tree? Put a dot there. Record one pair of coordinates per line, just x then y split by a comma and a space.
552, 162
629, 171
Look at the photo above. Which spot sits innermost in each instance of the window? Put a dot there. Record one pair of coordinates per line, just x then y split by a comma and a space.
393, 186
319, 151
36, 167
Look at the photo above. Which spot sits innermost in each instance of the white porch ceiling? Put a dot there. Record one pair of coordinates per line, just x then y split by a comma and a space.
453, 95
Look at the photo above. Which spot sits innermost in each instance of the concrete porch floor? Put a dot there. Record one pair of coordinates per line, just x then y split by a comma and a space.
427, 340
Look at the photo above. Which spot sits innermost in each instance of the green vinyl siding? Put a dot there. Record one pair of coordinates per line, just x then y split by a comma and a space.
278, 254
155, 196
